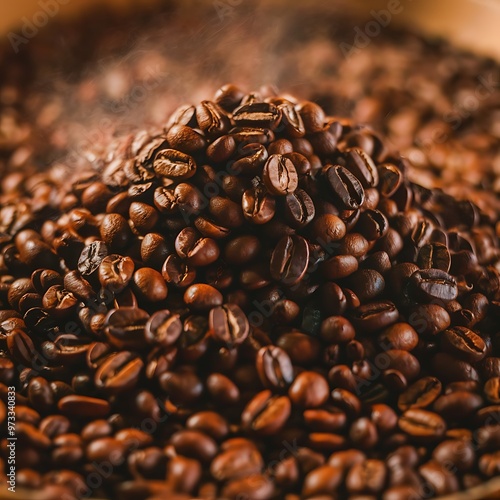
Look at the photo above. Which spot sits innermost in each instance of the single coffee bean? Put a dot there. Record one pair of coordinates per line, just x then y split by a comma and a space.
279, 175
366, 284
115, 272
163, 328
390, 179
177, 272
202, 297
362, 166
420, 394
309, 390
463, 343
339, 266
422, 425
439, 479
434, 256
399, 336
258, 206
345, 186
266, 414
149, 285
367, 477
289, 260
239, 461
458, 453
174, 164
229, 324
458, 405
429, 319
434, 284
372, 224
492, 390
337, 330
321, 481
124, 327
257, 114
91, 257
83, 407
119, 372
374, 316
299, 208
328, 228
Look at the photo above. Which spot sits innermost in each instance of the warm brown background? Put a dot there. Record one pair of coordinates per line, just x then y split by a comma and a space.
471, 24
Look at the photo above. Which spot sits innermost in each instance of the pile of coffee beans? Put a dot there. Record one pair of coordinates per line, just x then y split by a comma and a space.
253, 302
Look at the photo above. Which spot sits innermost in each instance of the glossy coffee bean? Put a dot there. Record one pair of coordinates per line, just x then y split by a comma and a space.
266, 414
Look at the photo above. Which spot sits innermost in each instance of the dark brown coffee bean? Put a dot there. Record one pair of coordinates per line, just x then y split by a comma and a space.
440, 480
91, 257
299, 208
345, 186
421, 394
222, 389
429, 319
399, 336
458, 405
328, 228
258, 206
83, 406
434, 256
375, 316
183, 386
336, 330
257, 114
489, 464
390, 179
202, 297
163, 328
237, 461
367, 477
115, 272
366, 284
434, 284
148, 284
229, 325
174, 164
289, 260
21, 347
266, 414
321, 481
59, 302
194, 444
455, 452
362, 166
124, 327
279, 175
309, 390
177, 272
339, 266
492, 390
198, 251
255, 486
422, 425
463, 343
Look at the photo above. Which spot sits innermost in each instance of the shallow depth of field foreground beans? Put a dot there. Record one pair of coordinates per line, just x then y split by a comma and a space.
253, 302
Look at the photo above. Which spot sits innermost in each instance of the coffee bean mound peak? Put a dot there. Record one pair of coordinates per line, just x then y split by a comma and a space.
252, 302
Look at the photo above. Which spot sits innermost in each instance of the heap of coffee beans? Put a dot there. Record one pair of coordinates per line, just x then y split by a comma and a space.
252, 302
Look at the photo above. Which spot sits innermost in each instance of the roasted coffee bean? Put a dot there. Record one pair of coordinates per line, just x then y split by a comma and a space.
420, 394
148, 284
174, 164
299, 208
362, 166
339, 266
390, 179
258, 206
399, 336
229, 325
328, 228
125, 327
309, 390
492, 390
458, 405
202, 297
429, 319
434, 284
279, 175
289, 260
367, 477
375, 316
434, 256
115, 272
91, 257
115, 231
266, 414
163, 328
345, 186
177, 272
83, 406
119, 372
439, 479
422, 425
321, 481
190, 245
366, 284
257, 114
372, 224
463, 343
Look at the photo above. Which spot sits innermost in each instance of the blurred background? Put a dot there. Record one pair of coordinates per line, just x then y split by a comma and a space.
75, 74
